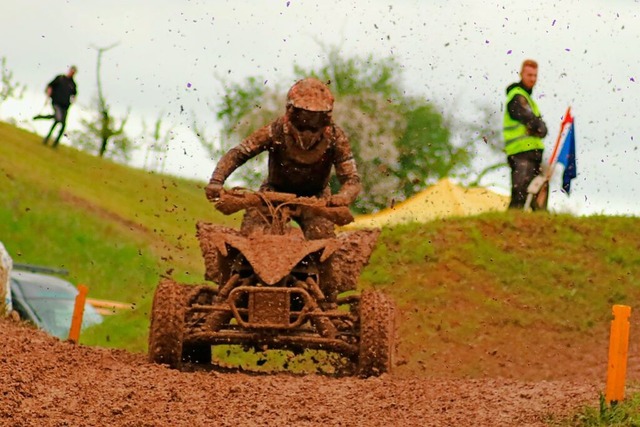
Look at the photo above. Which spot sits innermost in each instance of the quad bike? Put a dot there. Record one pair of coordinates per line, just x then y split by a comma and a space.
276, 290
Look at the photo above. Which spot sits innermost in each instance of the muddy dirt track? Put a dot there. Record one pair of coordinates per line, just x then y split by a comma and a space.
46, 382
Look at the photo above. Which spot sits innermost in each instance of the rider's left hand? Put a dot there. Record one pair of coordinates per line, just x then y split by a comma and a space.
339, 200
213, 190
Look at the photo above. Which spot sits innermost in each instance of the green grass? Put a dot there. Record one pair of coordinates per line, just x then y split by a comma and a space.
616, 414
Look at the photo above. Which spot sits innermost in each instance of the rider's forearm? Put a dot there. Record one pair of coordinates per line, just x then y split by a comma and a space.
233, 159
253, 145
351, 190
350, 185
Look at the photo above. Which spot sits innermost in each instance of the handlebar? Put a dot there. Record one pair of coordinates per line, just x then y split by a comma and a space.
235, 200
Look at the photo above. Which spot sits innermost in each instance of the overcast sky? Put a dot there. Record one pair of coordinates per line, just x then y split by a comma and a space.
456, 54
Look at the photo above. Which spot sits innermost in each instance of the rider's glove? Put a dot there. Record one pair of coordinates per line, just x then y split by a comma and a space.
339, 200
213, 190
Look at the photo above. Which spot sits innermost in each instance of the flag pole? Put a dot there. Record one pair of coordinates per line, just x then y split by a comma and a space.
554, 154
540, 184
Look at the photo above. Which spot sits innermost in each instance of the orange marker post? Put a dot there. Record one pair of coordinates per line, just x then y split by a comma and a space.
618, 347
78, 312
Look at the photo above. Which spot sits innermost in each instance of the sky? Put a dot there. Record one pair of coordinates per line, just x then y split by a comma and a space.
459, 55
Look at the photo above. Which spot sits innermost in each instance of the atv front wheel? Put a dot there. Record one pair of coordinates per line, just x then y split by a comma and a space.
167, 324
377, 334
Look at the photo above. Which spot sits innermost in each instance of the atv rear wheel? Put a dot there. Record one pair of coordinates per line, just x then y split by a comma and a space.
167, 324
377, 334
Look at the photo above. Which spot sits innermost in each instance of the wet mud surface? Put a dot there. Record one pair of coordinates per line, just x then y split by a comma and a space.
47, 382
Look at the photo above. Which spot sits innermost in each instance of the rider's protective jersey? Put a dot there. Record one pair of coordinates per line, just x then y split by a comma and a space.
292, 168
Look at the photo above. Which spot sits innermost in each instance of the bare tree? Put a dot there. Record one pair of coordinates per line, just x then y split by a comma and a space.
108, 128
104, 129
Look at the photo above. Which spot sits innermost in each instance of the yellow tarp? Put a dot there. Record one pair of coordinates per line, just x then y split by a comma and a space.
441, 200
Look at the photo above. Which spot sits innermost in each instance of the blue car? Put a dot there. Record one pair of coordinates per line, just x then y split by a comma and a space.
47, 302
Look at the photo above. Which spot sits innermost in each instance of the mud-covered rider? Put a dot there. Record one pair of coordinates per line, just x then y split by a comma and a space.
303, 146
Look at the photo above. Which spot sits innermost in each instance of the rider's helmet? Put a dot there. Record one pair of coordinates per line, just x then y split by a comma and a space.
309, 105
310, 94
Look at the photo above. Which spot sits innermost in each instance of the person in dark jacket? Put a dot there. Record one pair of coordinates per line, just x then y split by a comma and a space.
304, 145
523, 131
62, 90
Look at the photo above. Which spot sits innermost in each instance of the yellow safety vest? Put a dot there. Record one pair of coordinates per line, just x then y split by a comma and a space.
514, 132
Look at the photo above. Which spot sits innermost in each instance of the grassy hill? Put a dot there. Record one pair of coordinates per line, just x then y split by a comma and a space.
477, 296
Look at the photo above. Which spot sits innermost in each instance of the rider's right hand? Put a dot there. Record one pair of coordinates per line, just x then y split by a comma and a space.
213, 190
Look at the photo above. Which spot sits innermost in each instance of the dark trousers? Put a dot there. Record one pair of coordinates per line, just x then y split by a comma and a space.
59, 116
524, 167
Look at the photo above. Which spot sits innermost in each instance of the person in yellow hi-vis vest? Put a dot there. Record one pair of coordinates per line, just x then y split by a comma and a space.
523, 132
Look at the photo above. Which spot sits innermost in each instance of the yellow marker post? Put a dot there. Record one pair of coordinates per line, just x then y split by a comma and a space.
618, 347
78, 312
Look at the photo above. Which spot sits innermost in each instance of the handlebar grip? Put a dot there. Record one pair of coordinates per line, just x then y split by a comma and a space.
339, 215
231, 203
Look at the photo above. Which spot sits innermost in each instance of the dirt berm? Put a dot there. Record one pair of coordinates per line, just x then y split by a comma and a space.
46, 382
